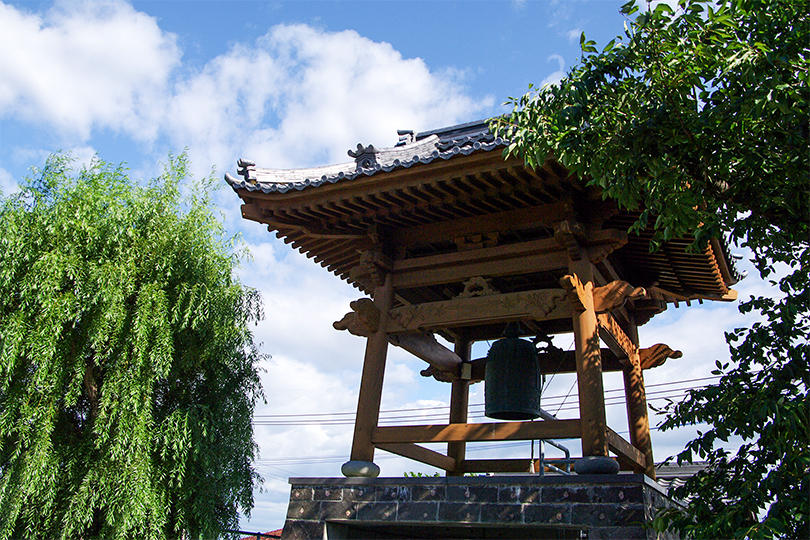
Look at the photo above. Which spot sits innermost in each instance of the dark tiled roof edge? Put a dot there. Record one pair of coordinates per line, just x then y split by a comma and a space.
427, 147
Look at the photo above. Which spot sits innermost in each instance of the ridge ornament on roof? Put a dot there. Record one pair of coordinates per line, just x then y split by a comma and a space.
365, 157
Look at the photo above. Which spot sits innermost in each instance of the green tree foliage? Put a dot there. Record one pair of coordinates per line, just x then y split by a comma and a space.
698, 118
128, 374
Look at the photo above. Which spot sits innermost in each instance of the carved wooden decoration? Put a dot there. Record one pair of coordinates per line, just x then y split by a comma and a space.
579, 297
656, 355
477, 286
371, 270
441, 376
571, 236
614, 295
362, 321
539, 305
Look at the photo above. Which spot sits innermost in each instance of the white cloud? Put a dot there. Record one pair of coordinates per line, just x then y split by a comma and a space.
85, 65
301, 301
556, 76
8, 184
83, 155
295, 97
574, 35
301, 96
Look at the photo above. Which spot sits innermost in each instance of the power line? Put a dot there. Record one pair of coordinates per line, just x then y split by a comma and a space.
476, 411
393, 416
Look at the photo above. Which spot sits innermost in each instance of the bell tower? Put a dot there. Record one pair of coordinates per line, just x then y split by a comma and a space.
445, 237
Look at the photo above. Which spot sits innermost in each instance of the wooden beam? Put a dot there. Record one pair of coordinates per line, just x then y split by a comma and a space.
426, 347
593, 420
635, 395
459, 405
538, 305
371, 381
421, 454
565, 364
511, 220
614, 337
512, 259
364, 321
518, 465
503, 431
625, 451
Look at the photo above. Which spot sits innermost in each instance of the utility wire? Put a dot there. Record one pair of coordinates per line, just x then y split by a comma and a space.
475, 410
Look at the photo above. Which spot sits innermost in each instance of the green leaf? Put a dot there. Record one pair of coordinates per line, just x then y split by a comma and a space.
127, 374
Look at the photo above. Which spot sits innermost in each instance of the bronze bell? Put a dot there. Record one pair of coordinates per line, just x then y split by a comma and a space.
512, 379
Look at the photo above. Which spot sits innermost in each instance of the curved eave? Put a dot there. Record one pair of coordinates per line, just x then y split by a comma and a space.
422, 152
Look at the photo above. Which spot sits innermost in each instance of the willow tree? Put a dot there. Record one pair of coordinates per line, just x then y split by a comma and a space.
697, 117
128, 373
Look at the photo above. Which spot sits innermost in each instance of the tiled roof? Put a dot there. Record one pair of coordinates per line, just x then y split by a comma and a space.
418, 149
443, 192
672, 476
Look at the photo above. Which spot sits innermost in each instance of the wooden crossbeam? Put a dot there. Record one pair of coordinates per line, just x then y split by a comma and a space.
513, 259
614, 337
420, 454
534, 216
626, 452
537, 305
504, 431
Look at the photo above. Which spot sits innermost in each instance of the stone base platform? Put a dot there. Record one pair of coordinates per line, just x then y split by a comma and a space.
522, 506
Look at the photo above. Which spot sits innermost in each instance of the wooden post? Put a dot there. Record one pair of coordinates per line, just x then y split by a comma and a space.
589, 364
636, 397
371, 383
459, 401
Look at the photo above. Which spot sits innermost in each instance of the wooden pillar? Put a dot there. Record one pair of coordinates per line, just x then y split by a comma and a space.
371, 383
459, 402
589, 363
636, 398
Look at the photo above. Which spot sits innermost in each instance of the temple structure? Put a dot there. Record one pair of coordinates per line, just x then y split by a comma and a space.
443, 236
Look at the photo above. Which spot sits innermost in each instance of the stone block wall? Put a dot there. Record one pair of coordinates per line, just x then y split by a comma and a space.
525, 506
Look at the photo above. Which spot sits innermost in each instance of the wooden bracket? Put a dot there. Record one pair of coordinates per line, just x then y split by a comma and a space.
603, 242
363, 321
476, 241
253, 213
571, 235
372, 268
441, 376
574, 236
477, 286
614, 295
656, 355
581, 299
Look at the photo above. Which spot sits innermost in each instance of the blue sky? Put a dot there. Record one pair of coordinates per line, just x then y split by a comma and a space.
295, 84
